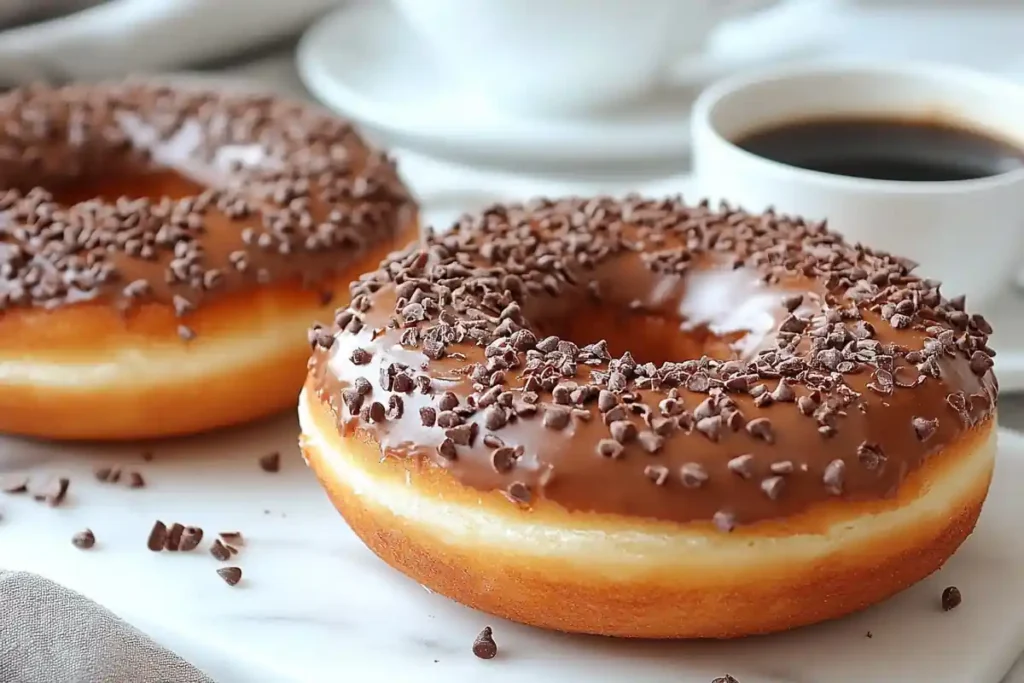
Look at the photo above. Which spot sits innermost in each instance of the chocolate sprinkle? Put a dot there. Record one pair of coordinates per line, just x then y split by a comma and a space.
157, 536
231, 575
834, 477
951, 598
484, 646
219, 550
271, 462
84, 539
191, 537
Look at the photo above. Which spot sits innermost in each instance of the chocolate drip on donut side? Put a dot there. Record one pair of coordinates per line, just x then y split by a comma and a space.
133, 193
816, 369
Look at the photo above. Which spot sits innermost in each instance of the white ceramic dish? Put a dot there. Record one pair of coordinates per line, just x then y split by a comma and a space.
365, 63
119, 36
315, 605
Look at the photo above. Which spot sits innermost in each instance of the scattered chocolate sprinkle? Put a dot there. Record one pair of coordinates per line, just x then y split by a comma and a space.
447, 449
924, 428
219, 551
743, 465
724, 521
518, 492
231, 575
772, 486
693, 475
761, 428
84, 539
271, 462
556, 417
650, 441
710, 427
503, 459
135, 480
610, 448
484, 646
623, 431
782, 467
951, 598
792, 302
428, 416
157, 536
191, 536
232, 537
834, 477
656, 473
173, 539
870, 455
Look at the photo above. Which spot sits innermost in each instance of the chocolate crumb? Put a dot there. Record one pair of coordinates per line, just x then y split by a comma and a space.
772, 486
609, 448
651, 442
623, 431
173, 539
484, 646
951, 598
157, 537
518, 492
219, 551
761, 428
186, 333
231, 575
503, 459
360, 356
428, 416
924, 428
724, 521
725, 679
656, 473
191, 536
232, 537
834, 477
693, 475
84, 539
742, 465
556, 417
271, 462
135, 480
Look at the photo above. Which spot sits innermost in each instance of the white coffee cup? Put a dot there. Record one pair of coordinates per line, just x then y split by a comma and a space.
568, 56
966, 233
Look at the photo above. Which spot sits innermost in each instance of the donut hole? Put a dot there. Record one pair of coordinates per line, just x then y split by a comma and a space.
650, 337
139, 183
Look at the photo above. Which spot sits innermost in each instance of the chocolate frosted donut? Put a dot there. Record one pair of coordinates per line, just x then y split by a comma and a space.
161, 248
648, 419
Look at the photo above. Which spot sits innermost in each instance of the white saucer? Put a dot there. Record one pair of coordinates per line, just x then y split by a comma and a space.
365, 63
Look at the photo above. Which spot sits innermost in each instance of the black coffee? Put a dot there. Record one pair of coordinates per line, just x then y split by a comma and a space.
885, 149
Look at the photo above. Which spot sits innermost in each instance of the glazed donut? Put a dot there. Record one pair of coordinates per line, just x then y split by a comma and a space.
646, 419
162, 250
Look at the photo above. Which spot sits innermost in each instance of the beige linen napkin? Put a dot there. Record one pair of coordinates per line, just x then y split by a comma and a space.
49, 634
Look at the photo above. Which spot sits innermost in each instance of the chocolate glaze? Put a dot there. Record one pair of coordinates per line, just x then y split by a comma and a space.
843, 425
136, 192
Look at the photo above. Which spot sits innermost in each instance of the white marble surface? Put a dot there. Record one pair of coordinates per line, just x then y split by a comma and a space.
315, 605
